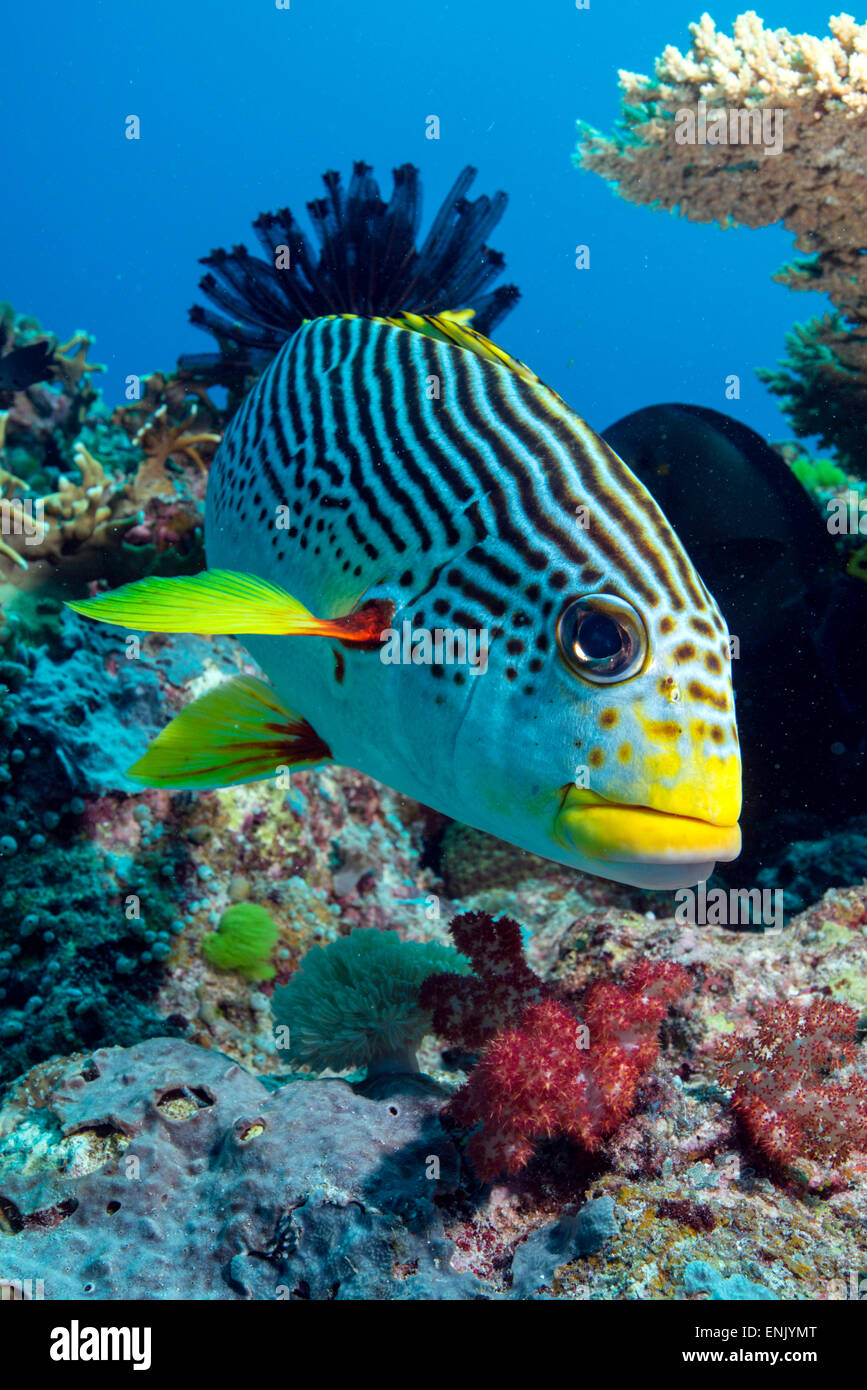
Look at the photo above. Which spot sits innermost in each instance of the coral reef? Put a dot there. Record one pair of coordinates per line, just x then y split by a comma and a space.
578, 1233
813, 92
541, 1072
822, 383
673, 1205
700, 1277
78, 965
471, 860
170, 428
205, 943
472, 1011
808, 868
32, 364
110, 1185
75, 515
677, 1183
87, 494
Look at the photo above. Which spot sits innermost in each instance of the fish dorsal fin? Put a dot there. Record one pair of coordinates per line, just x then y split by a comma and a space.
452, 326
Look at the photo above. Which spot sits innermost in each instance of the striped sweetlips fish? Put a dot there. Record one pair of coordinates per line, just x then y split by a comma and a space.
450, 581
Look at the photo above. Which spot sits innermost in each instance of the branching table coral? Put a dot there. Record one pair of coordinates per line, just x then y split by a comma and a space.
814, 180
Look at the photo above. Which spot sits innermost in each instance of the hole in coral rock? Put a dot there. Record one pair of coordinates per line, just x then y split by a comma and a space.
49, 1217
90, 1071
88, 1288
183, 1102
11, 1220
301, 1290
112, 1208
102, 1129
249, 1129
393, 1110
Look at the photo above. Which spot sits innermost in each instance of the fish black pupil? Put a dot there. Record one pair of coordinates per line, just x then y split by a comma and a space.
600, 637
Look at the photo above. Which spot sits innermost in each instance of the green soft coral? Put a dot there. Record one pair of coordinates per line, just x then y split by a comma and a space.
814, 474
244, 941
354, 1003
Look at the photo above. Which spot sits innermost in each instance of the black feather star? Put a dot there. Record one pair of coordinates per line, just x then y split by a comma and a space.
368, 263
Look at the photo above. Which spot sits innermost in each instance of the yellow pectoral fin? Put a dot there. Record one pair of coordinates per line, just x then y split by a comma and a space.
239, 732
208, 603
223, 601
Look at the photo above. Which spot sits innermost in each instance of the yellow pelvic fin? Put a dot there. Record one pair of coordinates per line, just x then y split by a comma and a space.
239, 732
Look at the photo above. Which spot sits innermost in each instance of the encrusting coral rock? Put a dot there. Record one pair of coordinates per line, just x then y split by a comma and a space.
813, 178
166, 1171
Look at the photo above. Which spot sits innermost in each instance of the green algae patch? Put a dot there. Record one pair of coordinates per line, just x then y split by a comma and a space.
835, 933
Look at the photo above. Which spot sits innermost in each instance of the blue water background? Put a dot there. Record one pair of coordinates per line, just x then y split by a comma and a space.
242, 106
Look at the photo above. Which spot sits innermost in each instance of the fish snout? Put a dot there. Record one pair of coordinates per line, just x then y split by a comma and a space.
668, 831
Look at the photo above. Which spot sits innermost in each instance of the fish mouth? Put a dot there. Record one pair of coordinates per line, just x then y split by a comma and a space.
642, 846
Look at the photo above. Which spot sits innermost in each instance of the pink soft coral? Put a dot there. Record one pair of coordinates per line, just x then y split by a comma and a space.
785, 1093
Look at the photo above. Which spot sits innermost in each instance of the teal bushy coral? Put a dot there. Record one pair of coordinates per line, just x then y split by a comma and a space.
354, 1003
244, 940
75, 969
822, 388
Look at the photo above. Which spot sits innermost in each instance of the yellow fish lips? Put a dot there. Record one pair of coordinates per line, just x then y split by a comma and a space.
611, 832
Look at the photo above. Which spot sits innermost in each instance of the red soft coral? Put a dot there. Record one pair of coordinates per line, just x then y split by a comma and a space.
542, 1073
469, 1010
784, 1092
528, 1084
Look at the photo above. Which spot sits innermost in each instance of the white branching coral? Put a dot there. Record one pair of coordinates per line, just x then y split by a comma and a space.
758, 63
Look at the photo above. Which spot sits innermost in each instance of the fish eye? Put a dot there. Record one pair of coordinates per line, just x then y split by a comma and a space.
602, 638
